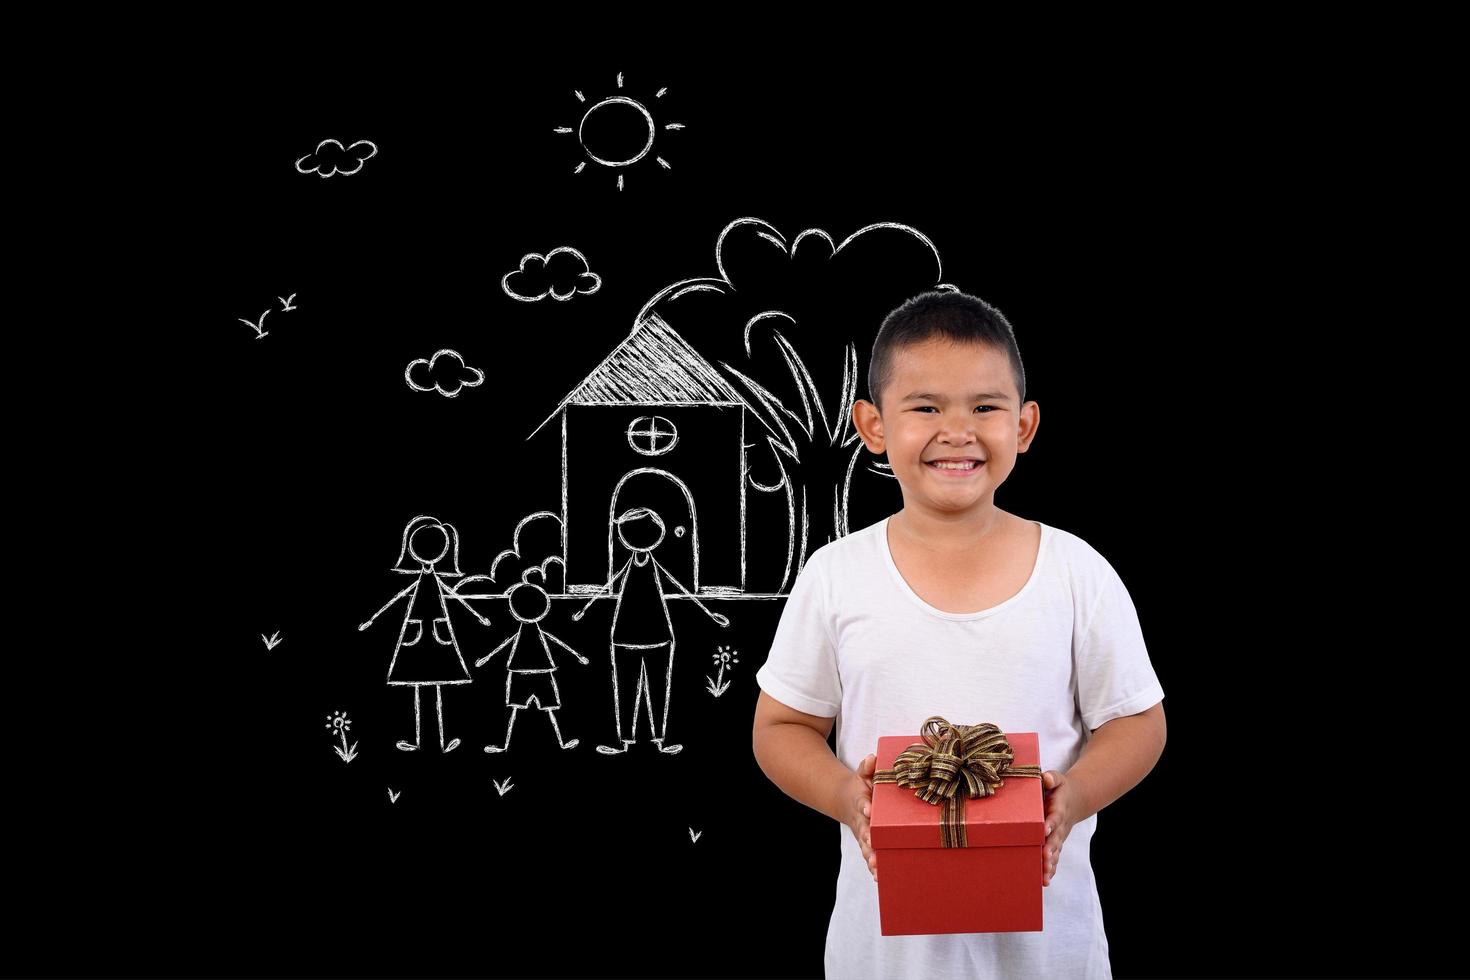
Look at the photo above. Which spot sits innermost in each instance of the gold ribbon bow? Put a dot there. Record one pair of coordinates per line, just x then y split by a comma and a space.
975, 756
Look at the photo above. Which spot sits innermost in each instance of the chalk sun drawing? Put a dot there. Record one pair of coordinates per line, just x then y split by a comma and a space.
638, 125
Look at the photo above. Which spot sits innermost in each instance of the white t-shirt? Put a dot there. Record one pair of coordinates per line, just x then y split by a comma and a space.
1060, 658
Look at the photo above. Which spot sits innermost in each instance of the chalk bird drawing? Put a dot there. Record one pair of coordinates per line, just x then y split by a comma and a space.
645, 637
259, 328
286, 306
620, 118
438, 661
533, 676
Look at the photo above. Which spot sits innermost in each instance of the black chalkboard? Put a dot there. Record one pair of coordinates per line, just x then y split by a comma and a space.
479, 309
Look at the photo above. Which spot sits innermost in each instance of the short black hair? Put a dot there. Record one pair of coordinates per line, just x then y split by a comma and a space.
957, 316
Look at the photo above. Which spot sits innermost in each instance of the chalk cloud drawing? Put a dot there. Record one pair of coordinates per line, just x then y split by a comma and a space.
329, 155
338, 724
533, 676
522, 283
635, 126
724, 657
273, 642
646, 637
433, 660
286, 306
447, 377
259, 327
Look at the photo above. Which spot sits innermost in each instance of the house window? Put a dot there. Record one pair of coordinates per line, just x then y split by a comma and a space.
652, 435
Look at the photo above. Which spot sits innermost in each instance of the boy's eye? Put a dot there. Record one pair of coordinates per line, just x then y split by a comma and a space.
925, 408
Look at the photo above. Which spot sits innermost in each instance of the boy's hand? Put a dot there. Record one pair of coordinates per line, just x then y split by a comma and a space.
859, 803
1058, 802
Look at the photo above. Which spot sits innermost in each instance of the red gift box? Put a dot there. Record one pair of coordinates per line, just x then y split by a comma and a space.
992, 884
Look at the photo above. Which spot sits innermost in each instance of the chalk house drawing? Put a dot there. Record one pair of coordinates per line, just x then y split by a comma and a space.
533, 676
447, 377
519, 282
647, 636
433, 661
640, 120
329, 154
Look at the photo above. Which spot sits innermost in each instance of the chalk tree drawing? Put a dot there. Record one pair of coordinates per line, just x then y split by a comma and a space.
338, 724
647, 636
428, 374
329, 154
533, 677
611, 117
520, 282
259, 327
724, 657
437, 661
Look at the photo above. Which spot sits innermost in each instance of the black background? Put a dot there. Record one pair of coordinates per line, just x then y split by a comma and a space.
1092, 196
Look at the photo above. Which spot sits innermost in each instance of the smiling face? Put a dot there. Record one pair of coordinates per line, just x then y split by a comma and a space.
955, 403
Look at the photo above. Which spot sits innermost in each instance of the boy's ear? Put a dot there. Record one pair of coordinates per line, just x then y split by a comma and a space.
869, 424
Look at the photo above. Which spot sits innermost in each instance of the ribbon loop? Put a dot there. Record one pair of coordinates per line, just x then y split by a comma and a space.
975, 757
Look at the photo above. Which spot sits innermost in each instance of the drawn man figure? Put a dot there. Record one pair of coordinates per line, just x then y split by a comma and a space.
642, 634
530, 678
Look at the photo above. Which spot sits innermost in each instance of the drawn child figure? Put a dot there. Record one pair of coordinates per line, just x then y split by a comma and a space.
646, 636
530, 678
956, 608
427, 656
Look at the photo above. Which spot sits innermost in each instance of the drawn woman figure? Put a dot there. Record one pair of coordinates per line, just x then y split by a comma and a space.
642, 633
427, 652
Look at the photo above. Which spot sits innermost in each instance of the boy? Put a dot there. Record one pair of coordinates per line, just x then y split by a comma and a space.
956, 608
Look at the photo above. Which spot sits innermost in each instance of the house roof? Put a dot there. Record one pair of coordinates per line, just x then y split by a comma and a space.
652, 366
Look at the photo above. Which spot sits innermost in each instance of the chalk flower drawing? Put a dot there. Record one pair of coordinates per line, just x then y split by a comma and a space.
338, 723
618, 120
522, 279
724, 658
330, 153
428, 374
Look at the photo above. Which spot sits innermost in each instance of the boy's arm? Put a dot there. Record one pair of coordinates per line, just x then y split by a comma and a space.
791, 749
1117, 758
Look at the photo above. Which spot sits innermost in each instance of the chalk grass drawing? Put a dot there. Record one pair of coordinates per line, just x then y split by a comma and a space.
518, 283
329, 154
693, 837
533, 676
647, 636
259, 327
286, 306
392, 796
339, 724
438, 662
723, 659
273, 642
612, 116
503, 787
427, 374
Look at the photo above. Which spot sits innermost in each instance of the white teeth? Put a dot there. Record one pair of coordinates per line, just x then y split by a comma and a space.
956, 466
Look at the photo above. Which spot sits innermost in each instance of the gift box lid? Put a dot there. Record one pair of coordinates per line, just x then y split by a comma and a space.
1012, 816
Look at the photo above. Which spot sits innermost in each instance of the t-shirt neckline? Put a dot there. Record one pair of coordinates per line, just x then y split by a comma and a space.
980, 614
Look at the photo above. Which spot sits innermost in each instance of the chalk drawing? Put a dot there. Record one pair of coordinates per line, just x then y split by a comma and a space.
339, 724
454, 373
723, 659
503, 787
329, 153
392, 796
585, 282
273, 642
427, 542
644, 640
693, 837
613, 115
286, 306
258, 327
533, 677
